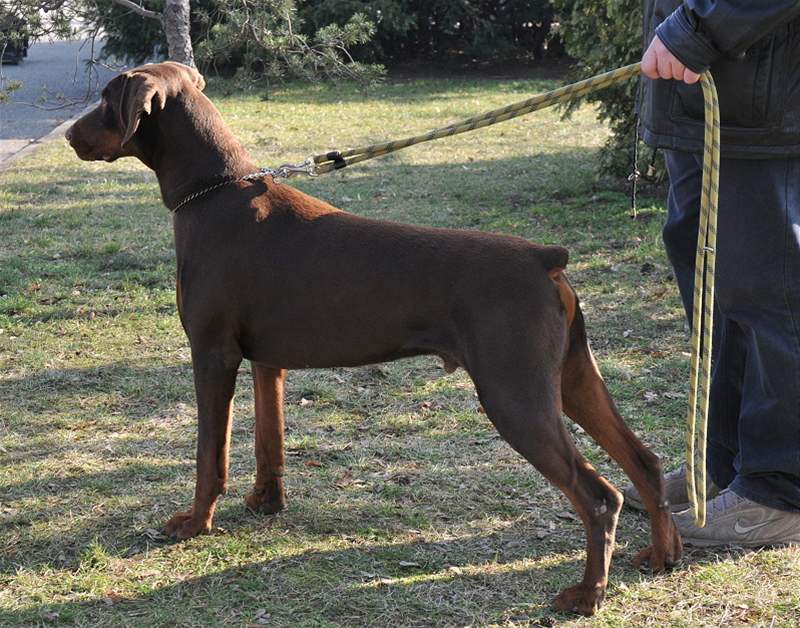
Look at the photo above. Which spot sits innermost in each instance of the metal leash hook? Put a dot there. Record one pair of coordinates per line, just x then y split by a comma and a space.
284, 171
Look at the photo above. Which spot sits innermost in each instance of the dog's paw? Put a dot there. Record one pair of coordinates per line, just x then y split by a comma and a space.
663, 554
263, 504
183, 525
659, 559
580, 599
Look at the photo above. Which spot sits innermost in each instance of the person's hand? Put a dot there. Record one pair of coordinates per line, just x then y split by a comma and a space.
659, 62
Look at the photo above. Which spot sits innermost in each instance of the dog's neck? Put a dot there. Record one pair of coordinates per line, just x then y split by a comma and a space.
190, 148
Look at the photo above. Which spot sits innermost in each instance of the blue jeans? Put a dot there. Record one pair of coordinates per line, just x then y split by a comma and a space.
754, 414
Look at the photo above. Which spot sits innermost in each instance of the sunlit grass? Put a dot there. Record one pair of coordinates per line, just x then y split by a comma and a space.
405, 507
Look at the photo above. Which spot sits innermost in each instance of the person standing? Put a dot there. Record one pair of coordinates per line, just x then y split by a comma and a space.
752, 49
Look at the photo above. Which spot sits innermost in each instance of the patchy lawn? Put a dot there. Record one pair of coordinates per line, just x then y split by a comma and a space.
405, 507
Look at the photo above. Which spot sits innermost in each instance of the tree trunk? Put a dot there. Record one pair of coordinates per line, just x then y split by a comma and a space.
176, 28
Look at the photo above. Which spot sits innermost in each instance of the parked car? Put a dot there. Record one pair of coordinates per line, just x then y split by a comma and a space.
13, 39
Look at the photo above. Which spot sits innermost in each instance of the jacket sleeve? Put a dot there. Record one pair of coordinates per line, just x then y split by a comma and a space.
701, 31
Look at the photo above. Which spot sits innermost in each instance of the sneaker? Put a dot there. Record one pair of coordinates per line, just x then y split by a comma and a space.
735, 520
675, 486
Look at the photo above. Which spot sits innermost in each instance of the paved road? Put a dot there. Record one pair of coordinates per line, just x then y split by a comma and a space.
57, 72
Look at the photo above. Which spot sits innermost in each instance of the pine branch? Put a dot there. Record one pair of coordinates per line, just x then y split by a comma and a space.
140, 10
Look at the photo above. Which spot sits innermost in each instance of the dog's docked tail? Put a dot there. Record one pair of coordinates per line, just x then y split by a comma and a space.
553, 257
555, 260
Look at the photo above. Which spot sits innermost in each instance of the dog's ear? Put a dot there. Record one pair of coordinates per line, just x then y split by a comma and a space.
142, 93
147, 88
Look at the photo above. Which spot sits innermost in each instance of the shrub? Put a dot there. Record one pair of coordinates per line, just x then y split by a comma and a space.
412, 29
602, 35
403, 29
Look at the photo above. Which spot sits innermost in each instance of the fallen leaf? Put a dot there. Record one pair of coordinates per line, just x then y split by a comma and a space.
345, 480
112, 596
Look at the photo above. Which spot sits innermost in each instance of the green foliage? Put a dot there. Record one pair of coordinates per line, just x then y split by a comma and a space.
264, 39
232, 34
480, 29
130, 36
603, 35
28, 19
259, 40
23, 21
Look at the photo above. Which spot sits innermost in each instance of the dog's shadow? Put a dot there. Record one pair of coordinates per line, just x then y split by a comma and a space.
493, 577
500, 576
341, 567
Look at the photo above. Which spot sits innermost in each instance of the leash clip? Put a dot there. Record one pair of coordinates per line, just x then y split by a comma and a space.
286, 171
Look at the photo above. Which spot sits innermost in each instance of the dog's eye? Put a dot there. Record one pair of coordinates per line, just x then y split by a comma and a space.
109, 116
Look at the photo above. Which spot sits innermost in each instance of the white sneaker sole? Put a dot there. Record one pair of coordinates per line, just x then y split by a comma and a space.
748, 544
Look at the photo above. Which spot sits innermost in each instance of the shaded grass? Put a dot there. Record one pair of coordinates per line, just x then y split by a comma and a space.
405, 507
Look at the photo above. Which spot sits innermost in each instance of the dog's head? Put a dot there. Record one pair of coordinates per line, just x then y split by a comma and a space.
106, 131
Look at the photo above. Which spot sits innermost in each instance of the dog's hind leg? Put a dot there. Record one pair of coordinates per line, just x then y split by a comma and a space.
214, 380
523, 404
268, 494
586, 400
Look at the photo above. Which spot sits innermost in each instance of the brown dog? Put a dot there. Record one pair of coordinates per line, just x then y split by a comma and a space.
268, 273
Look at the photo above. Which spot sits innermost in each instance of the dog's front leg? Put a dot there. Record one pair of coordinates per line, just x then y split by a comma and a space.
214, 380
268, 495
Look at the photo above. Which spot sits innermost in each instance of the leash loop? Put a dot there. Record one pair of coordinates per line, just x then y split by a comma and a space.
703, 308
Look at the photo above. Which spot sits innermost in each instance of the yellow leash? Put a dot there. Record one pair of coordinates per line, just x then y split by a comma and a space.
703, 308
702, 318
325, 162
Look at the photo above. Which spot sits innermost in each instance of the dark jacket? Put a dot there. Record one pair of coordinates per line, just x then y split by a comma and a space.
753, 51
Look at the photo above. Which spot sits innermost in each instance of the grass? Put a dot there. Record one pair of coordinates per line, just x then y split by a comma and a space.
405, 507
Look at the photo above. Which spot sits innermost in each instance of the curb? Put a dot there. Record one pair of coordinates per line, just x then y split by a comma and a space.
34, 145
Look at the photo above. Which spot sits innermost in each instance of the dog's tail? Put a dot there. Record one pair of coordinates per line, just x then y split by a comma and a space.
569, 301
553, 257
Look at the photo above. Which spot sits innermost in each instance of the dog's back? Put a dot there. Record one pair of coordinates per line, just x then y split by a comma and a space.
315, 286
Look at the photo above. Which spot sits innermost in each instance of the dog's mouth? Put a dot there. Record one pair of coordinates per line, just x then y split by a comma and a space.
91, 155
